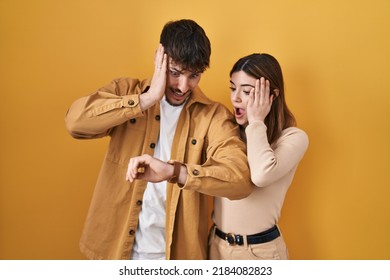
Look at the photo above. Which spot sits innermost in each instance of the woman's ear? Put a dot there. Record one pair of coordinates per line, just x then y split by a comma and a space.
276, 92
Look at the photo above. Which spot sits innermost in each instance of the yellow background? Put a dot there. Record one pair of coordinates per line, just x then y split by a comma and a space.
336, 60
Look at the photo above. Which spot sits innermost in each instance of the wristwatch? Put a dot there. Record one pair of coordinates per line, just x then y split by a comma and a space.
176, 171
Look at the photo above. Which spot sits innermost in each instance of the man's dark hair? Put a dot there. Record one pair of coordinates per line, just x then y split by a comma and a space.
187, 44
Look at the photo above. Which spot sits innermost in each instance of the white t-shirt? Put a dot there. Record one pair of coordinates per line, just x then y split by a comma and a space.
150, 234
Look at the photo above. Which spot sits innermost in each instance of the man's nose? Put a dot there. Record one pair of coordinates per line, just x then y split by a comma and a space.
183, 84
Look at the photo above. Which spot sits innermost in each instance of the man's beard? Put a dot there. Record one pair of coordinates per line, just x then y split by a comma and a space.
185, 100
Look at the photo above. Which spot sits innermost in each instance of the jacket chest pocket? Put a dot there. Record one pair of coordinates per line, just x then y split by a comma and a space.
196, 150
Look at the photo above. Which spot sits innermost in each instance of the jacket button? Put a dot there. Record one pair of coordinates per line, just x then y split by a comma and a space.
152, 145
131, 232
131, 102
139, 202
133, 120
195, 172
157, 117
193, 141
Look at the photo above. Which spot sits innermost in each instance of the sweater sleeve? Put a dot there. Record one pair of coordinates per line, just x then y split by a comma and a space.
268, 164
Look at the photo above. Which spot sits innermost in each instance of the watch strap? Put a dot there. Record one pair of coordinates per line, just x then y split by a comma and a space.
176, 171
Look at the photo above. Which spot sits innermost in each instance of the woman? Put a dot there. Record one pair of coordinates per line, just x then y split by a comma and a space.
248, 228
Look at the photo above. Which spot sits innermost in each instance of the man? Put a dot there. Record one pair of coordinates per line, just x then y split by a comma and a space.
187, 145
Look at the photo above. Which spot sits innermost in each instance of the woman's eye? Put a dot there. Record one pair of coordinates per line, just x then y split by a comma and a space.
247, 92
232, 88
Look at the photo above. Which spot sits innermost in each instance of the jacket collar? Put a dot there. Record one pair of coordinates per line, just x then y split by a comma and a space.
197, 96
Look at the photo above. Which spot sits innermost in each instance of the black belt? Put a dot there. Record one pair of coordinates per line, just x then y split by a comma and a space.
237, 239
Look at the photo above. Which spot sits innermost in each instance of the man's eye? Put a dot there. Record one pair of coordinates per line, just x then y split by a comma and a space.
174, 73
194, 76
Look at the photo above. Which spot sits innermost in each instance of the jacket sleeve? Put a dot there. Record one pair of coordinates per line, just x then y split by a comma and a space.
225, 172
268, 164
93, 116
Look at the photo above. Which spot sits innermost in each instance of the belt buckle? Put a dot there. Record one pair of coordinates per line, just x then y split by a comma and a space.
230, 238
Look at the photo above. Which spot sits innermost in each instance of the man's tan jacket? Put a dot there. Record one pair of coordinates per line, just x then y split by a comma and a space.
206, 141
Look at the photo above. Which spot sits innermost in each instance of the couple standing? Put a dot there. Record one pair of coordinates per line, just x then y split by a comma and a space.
172, 148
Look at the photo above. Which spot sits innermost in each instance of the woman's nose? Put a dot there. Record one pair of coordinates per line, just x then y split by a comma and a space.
236, 96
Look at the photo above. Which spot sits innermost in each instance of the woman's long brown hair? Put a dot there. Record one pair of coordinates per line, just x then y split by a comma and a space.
265, 65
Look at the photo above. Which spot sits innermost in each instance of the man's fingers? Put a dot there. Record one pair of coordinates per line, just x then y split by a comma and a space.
136, 167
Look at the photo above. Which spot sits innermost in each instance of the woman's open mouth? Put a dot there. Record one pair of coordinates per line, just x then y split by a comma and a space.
239, 112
